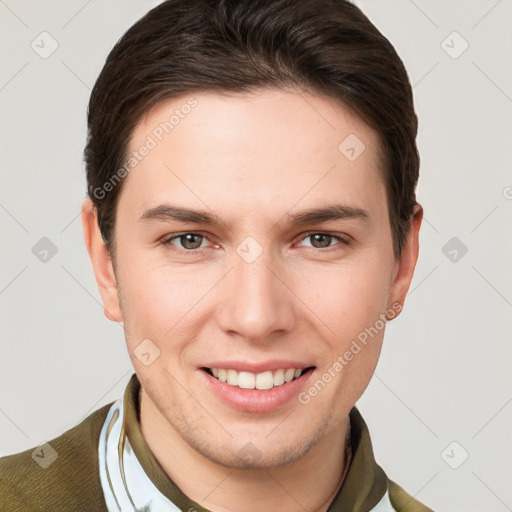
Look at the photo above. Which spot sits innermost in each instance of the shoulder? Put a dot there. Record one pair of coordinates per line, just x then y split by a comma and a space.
59, 475
402, 501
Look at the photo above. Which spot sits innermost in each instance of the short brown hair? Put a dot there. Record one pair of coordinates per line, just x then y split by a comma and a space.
325, 47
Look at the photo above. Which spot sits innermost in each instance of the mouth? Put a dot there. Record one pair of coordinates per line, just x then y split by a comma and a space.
257, 386
263, 381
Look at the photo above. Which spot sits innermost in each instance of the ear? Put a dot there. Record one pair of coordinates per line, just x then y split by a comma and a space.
405, 264
101, 262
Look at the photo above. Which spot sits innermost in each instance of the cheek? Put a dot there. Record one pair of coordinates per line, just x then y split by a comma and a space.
347, 301
346, 297
151, 296
164, 303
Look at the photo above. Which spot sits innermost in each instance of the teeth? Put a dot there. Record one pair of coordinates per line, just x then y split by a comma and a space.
245, 380
264, 380
232, 378
289, 374
279, 378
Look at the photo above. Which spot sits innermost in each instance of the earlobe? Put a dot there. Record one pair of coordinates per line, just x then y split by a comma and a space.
404, 269
101, 262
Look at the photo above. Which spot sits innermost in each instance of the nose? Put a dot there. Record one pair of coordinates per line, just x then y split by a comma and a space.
256, 302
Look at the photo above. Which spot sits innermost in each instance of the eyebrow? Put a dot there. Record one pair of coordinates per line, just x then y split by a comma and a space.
333, 212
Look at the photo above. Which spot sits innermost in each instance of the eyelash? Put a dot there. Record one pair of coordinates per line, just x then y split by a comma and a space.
344, 241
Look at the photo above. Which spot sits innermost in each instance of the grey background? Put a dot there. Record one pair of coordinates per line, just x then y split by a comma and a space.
444, 373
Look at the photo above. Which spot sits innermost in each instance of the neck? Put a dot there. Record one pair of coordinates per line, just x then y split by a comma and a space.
219, 489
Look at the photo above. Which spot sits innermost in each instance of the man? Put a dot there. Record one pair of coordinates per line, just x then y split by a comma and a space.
251, 219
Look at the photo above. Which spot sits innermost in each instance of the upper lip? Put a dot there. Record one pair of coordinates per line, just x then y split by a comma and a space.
254, 367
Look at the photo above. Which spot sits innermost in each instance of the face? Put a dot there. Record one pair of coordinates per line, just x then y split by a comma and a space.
252, 284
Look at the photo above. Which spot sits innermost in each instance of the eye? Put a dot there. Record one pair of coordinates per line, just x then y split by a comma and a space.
190, 242
323, 240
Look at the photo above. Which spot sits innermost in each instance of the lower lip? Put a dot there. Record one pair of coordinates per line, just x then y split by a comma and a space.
257, 400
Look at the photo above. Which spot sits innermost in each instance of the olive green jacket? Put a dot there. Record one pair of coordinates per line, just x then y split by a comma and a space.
63, 474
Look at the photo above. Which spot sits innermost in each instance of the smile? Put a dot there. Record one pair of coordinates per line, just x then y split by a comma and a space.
262, 381
256, 392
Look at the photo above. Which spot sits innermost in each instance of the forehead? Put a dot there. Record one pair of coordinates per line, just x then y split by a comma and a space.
265, 150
